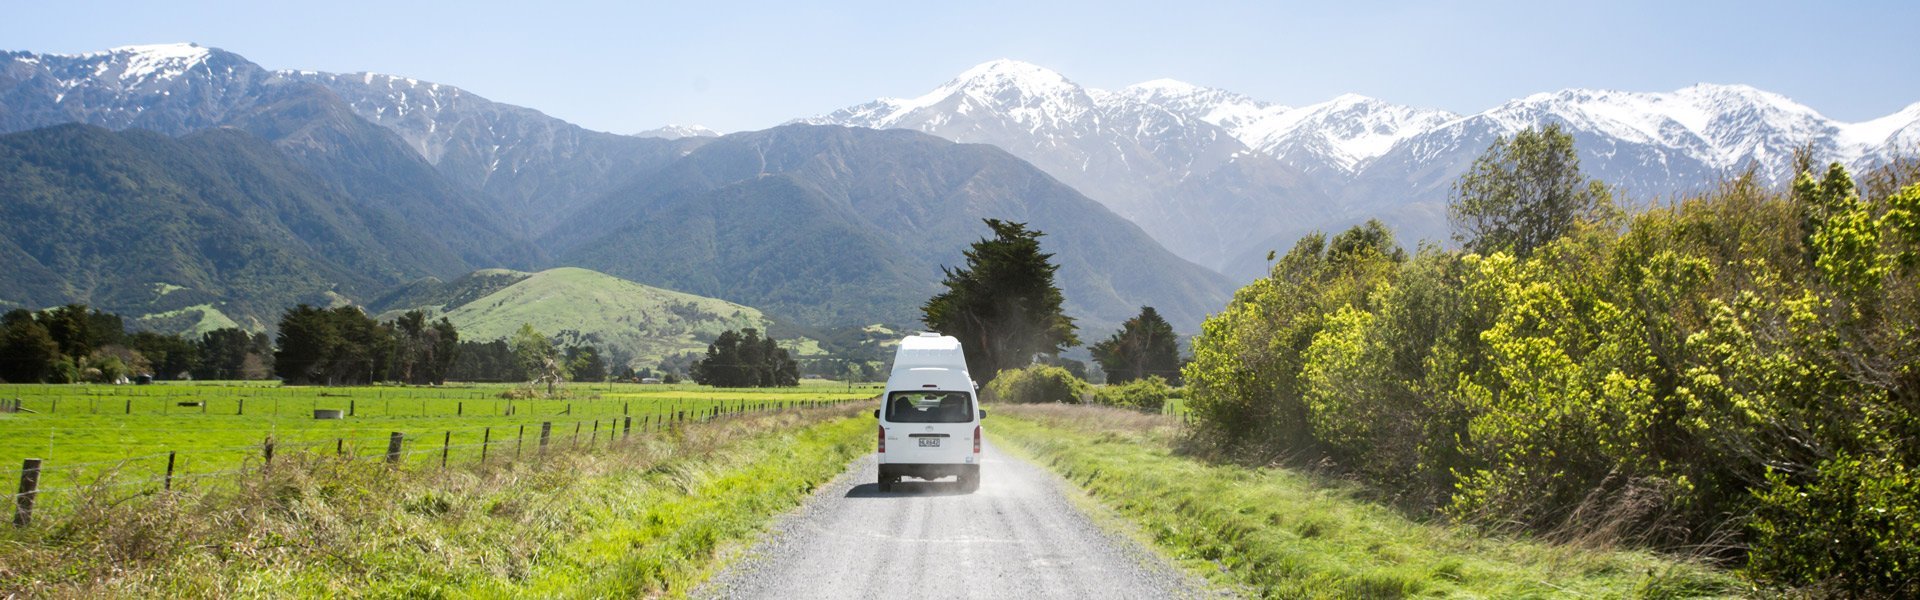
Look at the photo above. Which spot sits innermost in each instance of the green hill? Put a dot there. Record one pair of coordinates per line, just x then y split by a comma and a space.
632, 323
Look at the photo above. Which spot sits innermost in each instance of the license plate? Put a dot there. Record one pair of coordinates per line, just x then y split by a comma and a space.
929, 442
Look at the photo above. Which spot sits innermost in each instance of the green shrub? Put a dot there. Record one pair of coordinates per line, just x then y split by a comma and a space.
1037, 384
1854, 531
1148, 395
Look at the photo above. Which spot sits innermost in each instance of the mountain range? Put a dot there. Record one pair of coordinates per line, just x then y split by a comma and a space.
824, 226
1221, 178
346, 187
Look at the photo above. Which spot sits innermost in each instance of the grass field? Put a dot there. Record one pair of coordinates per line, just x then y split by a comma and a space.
646, 516
125, 433
1278, 533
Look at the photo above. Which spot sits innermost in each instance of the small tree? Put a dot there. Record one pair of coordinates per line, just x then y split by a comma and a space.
1145, 345
1523, 192
1003, 306
538, 358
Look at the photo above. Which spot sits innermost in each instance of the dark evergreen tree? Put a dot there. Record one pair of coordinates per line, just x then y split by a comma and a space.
746, 360
443, 347
484, 361
1145, 345
27, 351
307, 340
79, 330
586, 364
172, 356
1003, 306
232, 353
722, 365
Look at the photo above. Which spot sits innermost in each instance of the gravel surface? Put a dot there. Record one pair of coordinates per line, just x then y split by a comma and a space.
1018, 537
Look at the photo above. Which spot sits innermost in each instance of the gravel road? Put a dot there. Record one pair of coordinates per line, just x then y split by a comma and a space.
1018, 537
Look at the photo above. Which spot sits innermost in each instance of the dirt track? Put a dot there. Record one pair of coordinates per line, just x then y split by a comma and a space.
1018, 537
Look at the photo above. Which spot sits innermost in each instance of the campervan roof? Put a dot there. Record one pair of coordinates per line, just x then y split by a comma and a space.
929, 350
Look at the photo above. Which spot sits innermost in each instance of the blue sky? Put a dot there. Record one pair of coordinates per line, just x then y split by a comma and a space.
629, 66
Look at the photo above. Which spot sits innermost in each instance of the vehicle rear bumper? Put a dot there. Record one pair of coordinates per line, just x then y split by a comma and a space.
930, 471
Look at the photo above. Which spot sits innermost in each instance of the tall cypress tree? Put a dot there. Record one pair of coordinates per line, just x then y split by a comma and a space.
1003, 305
1145, 345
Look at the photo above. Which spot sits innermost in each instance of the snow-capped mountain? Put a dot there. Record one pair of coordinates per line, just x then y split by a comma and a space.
1217, 176
170, 88
674, 132
1159, 151
1168, 169
525, 164
536, 166
449, 181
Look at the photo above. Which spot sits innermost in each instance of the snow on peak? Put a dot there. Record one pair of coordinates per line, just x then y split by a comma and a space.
1167, 87
157, 60
1010, 73
1900, 131
1213, 105
1346, 130
1725, 125
674, 132
1023, 92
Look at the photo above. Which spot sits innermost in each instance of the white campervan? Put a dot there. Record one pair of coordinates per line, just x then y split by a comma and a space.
929, 417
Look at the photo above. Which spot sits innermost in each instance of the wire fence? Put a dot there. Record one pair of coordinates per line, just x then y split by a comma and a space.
46, 486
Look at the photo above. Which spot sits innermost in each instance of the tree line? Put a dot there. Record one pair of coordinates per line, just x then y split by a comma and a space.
311, 346
1736, 371
76, 344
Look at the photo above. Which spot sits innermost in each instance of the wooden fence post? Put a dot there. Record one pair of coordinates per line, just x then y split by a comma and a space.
129, 406
353, 406
394, 442
242, 411
518, 441
628, 430
266, 448
169, 483
459, 409
546, 430
445, 444
596, 433
29, 489
486, 439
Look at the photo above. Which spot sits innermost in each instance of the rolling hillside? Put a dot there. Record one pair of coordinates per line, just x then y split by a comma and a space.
631, 323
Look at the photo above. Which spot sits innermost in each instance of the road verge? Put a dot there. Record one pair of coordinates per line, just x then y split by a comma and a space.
1273, 532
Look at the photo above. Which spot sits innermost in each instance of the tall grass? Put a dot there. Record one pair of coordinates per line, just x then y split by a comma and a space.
645, 517
1276, 533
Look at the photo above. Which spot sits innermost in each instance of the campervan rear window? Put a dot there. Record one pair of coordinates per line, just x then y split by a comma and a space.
929, 407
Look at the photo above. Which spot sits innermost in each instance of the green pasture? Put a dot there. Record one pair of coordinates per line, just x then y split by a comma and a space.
121, 436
